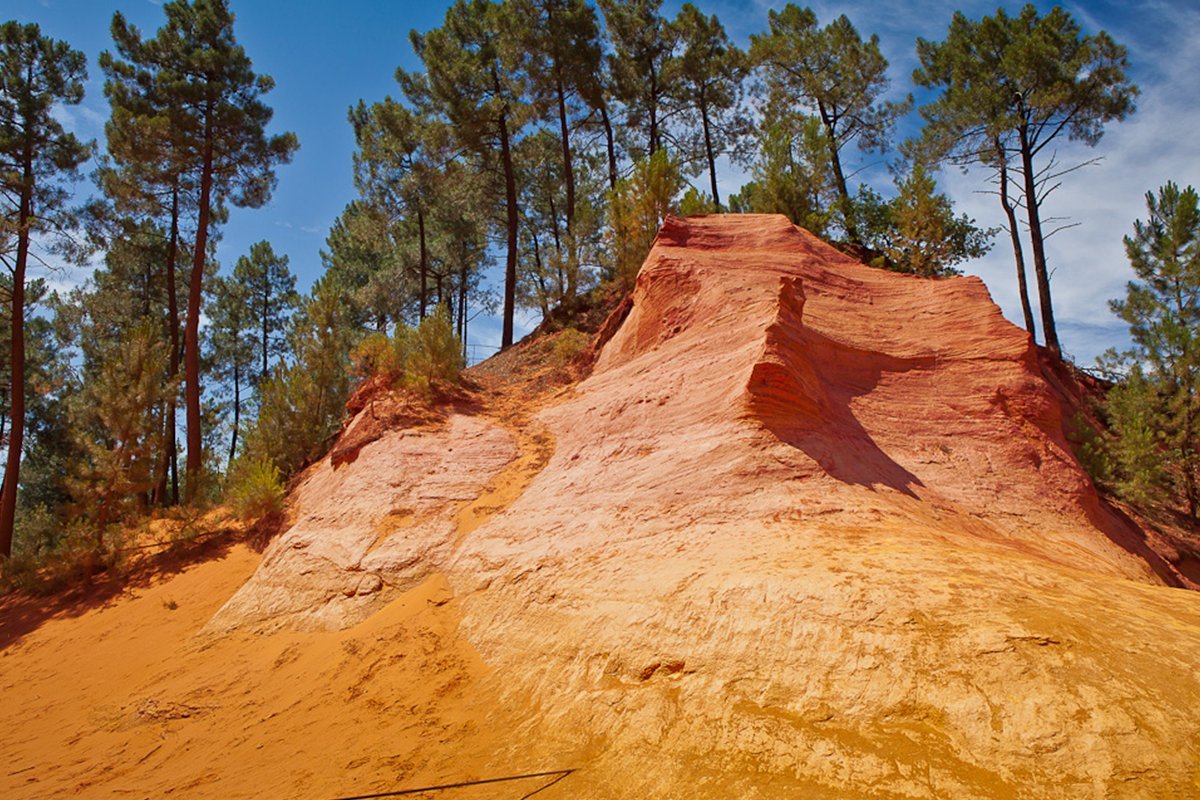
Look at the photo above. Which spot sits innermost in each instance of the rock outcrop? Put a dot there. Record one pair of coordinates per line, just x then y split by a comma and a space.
809, 528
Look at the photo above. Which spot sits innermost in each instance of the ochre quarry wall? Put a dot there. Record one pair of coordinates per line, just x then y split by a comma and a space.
810, 529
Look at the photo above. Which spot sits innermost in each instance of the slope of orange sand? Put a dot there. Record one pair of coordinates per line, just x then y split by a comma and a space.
809, 529
130, 699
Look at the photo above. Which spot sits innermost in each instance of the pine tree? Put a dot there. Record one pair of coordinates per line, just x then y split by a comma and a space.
544, 260
201, 70
302, 402
146, 176
473, 79
36, 157
460, 243
837, 75
47, 445
709, 75
117, 419
365, 264
270, 292
1155, 412
561, 39
639, 205
399, 151
1016, 84
641, 66
233, 342
790, 174
924, 236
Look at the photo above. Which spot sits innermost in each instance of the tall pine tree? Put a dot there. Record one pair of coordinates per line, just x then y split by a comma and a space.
270, 294
201, 69
473, 78
710, 75
1155, 412
642, 67
145, 175
1015, 84
836, 74
36, 156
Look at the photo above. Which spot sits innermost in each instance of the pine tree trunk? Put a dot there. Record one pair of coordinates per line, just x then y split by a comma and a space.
612, 149
708, 151
462, 304
170, 465
424, 265
16, 436
237, 407
654, 143
191, 337
510, 267
543, 292
568, 168
1018, 250
839, 178
554, 231
266, 329
1049, 332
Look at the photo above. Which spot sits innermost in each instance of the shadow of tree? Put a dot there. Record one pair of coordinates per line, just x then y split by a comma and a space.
21, 614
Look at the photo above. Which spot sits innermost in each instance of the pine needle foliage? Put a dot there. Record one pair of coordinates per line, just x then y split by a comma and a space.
639, 205
118, 419
302, 401
415, 358
255, 489
1154, 413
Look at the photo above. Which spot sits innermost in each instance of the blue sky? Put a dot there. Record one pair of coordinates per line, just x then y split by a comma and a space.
325, 58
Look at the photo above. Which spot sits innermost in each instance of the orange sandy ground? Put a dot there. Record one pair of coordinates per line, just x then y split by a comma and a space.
128, 699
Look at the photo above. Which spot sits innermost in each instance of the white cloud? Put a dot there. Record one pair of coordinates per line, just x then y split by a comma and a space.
309, 229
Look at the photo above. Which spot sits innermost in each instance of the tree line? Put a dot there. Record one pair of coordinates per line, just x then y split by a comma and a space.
549, 136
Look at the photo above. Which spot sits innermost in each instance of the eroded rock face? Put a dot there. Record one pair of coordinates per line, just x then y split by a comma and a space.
809, 528
372, 528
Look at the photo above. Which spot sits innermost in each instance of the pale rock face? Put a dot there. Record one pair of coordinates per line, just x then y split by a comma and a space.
370, 529
809, 529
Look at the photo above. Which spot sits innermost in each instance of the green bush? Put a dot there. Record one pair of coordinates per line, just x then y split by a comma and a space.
569, 344
1091, 450
412, 357
380, 354
435, 352
255, 489
79, 552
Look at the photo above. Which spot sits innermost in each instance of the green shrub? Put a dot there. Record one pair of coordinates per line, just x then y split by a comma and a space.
79, 552
569, 344
255, 489
435, 352
379, 354
413, 357
1091, 450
